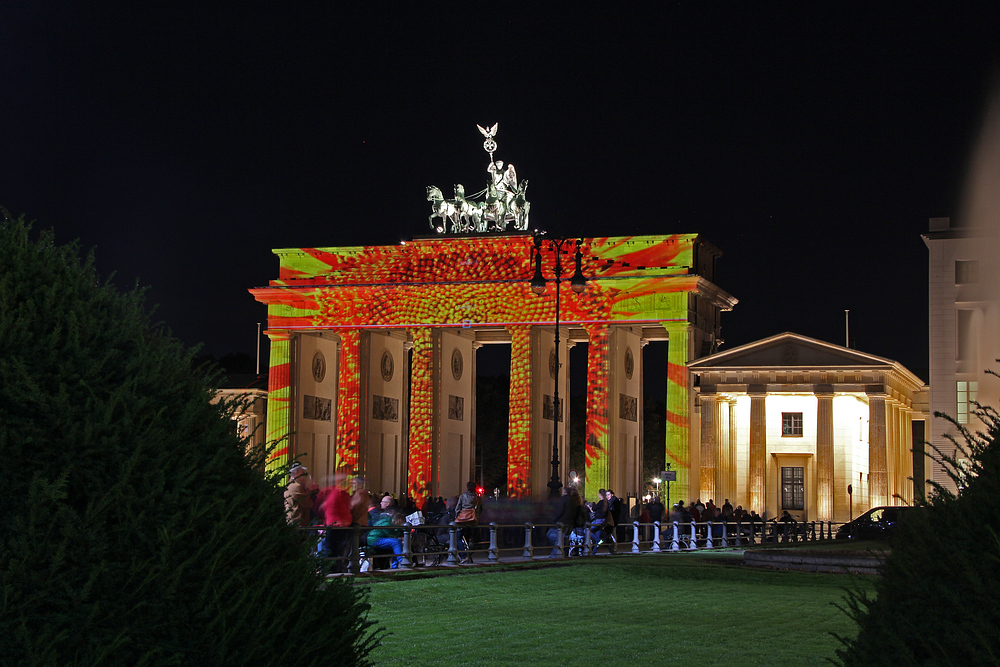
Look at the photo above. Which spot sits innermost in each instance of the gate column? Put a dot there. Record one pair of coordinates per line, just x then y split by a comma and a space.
421, 441
279, 400
348, 400
598, 411
520, 412
678, 426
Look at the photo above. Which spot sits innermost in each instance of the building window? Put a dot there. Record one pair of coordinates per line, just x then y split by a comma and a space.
793, 488
966, 397
966, 271
791, 423
964, 347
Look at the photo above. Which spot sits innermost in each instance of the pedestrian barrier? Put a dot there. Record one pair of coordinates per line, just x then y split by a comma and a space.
422, 548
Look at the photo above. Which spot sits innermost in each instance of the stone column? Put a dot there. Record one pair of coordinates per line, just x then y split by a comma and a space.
824, 453
678, 426
878, 486
709, 442
758, 449
906, 432
598, 444
733, 459
420, 462
520, 413
348, 400
279, 400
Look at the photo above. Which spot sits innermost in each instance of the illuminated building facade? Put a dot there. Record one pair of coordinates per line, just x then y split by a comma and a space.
964, 309
788, 422
373, 354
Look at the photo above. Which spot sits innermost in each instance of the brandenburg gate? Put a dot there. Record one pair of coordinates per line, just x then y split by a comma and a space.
373, 348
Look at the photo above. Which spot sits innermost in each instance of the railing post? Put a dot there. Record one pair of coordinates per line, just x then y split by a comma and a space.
708, 535
527, 541
452, 544
588, 539
494, 552
725, 537
656, 537
635, 537
558, 551
694, 536
407, 555
355, 565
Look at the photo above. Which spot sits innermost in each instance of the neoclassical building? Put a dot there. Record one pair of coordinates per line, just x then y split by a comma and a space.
373, 354
790, 423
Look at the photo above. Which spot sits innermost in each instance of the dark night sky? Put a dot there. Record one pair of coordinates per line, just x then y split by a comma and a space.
810, 145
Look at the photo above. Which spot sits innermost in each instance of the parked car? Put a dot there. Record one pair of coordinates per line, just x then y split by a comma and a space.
875, 524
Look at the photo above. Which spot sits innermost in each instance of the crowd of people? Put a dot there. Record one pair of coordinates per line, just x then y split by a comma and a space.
344, 502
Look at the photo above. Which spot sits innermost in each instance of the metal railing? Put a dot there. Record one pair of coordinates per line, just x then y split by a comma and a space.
505, 544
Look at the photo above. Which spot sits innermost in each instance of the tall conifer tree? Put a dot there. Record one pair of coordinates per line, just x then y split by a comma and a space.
134, 527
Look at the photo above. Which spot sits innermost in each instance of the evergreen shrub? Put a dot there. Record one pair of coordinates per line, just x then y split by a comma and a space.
135, 529
936, 601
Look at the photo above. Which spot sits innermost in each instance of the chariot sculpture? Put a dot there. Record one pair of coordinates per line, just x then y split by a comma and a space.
503, 204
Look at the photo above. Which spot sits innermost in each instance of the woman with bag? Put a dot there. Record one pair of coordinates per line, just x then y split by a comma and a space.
467, 517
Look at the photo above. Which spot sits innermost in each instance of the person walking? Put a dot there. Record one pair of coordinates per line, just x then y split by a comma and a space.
604, 524
467, 512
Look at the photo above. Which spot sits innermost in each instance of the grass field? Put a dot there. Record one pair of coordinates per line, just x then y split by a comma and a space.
699, 609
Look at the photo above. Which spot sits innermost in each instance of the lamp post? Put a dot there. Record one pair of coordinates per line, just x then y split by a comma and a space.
578, 283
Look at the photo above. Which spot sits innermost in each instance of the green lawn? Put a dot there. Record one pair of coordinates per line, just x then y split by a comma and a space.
699, 609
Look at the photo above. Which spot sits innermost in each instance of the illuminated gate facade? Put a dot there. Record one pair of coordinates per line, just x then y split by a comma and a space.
373, 356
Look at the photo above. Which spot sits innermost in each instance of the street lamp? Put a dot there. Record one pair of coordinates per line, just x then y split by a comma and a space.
657, 480
578, 283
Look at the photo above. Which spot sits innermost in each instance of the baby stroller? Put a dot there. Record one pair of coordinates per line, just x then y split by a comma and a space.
577, 541
425, 540
577, 538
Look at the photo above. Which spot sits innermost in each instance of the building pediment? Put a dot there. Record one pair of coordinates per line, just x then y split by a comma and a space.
787, 351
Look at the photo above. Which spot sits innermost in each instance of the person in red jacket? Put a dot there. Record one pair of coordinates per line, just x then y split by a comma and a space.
335, 510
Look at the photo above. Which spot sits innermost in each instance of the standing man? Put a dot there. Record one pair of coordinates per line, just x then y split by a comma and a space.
615, 508
298, 496
656, 510
565, 513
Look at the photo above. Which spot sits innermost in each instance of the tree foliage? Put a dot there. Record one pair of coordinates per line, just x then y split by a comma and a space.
134, 527
936, 600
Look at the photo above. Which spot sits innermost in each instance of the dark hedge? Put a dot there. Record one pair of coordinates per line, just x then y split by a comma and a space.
134, 527
936, 601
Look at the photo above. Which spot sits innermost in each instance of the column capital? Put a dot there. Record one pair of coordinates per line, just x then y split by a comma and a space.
757, 390
278, 334
825, 390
